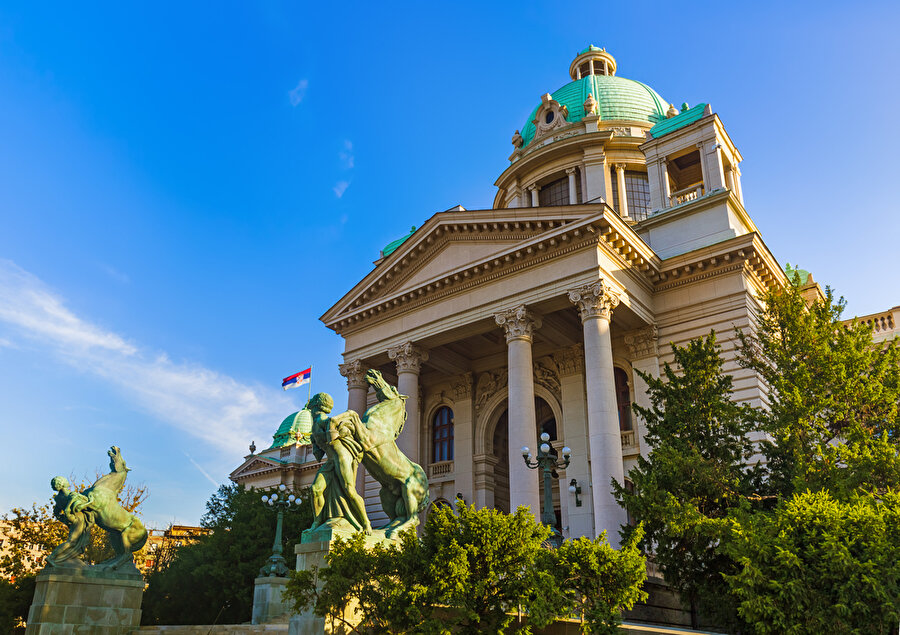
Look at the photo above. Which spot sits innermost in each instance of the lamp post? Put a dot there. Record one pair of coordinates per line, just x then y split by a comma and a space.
547, 462
280, 500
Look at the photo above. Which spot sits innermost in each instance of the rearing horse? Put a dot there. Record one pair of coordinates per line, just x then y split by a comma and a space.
404, 486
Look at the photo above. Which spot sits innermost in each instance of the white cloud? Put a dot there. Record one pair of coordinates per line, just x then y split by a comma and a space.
297, 94
115, 274
340, 187
187, 396
346, 155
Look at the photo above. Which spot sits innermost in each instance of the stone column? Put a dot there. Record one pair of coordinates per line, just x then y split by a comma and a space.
409, 358
519, 325
642, 344
620, 181
704, 169
357, 393
573, 190
666, 190
357, 388
736, 176
535, 198
595, 304
729, 179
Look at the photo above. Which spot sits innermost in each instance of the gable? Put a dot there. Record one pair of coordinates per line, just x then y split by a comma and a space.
253, 465
452, 257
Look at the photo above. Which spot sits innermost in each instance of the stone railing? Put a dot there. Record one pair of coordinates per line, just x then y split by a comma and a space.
880, 322
683, 196
442, 468
629, 442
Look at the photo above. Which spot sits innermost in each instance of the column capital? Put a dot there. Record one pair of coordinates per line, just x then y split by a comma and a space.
620, 167
355, 372
643, 342
534, 188
570, 360
408, 356
462, 386
594, 300
570, 171
518, 323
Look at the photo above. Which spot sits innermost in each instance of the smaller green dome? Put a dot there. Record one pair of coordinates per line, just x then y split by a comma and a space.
590, 48
392, 246
295, 428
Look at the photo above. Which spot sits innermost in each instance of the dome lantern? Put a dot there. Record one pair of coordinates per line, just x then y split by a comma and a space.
592, 61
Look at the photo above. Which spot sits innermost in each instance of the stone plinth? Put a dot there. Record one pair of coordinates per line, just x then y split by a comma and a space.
312, 553
267, 599
85, 601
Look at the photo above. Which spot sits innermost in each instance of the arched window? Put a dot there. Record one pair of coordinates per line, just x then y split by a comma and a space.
442, 435
623, 399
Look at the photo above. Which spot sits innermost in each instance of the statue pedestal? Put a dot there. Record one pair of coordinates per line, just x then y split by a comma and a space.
267, 599
311, 552
85, 600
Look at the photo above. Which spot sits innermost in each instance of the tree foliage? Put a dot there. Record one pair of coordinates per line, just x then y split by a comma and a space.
803, 541
212, 581
833, 420
694, 476
472, 571
818, 565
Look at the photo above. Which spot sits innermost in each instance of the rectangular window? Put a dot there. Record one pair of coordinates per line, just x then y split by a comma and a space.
555, 193
637, 193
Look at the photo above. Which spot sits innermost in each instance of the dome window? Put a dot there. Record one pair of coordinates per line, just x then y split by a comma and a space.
550, 115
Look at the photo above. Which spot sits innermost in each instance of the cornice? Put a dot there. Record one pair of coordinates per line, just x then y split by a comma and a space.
607, 231
745, 253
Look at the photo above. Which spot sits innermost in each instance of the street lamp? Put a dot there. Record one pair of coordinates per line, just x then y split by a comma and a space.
547, 462
280, 500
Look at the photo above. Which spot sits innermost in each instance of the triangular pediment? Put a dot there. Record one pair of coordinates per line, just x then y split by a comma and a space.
449, 243
252, 465
453, 256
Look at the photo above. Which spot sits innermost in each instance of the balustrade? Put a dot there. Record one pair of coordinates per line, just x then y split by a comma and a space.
688, 194
439, 469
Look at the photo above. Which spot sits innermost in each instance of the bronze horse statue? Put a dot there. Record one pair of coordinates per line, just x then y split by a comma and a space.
404, 486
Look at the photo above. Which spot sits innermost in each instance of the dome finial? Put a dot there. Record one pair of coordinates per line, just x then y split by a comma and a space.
592, 61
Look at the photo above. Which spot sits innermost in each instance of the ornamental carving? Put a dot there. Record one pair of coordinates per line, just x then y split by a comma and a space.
570, 360
408, 357
590, 105
547, 375
550, 116
355, 372
518, 323
595, 300
643, 342
489, 384
462, 387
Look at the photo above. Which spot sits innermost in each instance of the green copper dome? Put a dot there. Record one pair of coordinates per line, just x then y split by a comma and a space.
617, 99
294, 429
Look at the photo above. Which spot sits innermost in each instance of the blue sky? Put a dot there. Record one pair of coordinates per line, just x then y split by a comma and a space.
185, 189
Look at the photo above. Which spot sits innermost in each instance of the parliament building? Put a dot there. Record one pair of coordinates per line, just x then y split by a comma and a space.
618, 227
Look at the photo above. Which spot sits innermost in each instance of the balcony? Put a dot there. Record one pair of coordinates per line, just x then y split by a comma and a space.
440, 469
687, 194
629, 442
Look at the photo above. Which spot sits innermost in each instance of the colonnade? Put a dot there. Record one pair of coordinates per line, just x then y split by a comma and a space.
595, 303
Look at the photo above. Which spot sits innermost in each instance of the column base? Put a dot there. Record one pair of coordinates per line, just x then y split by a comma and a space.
88, 600
268, 601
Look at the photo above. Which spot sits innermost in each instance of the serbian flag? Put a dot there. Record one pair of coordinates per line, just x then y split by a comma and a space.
297, 379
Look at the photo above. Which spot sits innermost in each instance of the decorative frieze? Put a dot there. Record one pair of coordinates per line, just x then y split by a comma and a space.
518, 323
570, 360
643, 342
408, 356
547, 375
355, 372
489, 383
594, 300
462, 386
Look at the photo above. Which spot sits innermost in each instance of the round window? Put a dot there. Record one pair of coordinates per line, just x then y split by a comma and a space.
549, 116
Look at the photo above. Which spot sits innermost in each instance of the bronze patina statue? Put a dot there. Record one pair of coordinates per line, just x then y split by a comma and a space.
97, 505
348, 439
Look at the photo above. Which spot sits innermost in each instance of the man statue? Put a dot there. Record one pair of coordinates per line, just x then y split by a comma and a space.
67, 508
334, 494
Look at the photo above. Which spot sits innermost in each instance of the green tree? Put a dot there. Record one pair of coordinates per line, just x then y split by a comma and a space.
695, 474
833, 418
471, 571
212, 581
818, 565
